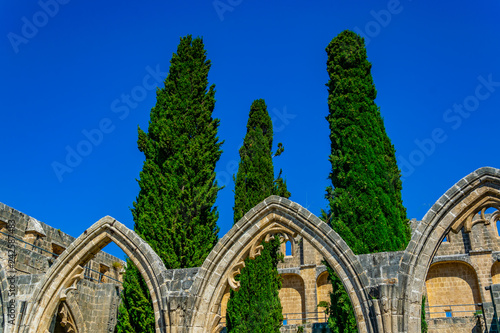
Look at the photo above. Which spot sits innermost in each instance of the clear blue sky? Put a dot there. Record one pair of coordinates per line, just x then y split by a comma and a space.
79, 67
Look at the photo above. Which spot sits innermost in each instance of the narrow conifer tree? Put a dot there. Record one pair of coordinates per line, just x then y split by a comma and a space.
174, 211
365, 205
256, 307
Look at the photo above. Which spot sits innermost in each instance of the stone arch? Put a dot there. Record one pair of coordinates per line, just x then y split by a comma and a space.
275, 215
67, 270
323, 287
224, 302
462, 288
293, 298
495, 273
454, 210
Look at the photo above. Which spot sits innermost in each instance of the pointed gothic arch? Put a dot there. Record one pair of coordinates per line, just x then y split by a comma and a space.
455, 209
75, 313
272, 216
67, 270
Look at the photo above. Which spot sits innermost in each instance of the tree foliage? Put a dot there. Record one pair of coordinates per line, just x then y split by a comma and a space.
341, 315
365, 204
135, 311
366, 208
423, 322
255, 178
256, 307
174, 211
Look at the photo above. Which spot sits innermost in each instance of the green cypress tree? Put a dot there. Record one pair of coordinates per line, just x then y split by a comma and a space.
174, 211
365, 205
256, 307
135, 311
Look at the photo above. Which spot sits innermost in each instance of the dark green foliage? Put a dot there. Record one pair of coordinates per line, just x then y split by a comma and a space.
423, 323
341, 314
135, 312
256, 307
366, 208
280, 188
255, 178
174, 211
365, 204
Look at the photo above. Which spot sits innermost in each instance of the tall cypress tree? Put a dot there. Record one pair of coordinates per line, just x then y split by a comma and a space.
256, 307
174, 211
365, 205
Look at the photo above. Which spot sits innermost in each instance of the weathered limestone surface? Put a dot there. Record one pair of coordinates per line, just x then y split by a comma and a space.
456, 324
95, 302
385, 289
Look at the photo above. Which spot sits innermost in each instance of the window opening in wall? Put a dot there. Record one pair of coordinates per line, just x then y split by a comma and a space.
288, 250
498, 228
103, 269
3, 226
446, 238
490, 210
448, 313
57, 249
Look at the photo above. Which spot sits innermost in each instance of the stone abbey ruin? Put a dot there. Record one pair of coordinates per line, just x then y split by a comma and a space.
51, 282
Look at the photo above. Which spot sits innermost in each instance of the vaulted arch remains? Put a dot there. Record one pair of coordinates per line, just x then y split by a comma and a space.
452, 290
274, 215
54, 290
323, 287
462, 206
293, 299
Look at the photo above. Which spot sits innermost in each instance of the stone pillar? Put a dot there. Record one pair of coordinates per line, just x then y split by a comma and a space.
492, 316
311, 302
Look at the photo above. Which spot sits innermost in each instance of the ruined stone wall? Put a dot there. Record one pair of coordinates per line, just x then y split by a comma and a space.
452, 283
482, 238
95, 299
47, 242
386, 289
455, 325
465, 265
98, 303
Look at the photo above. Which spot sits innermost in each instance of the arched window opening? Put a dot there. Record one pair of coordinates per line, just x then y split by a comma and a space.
288, 249
292, 297
323, 288
490, 210
452, 290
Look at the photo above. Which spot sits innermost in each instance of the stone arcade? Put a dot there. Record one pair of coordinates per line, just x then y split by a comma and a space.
54, 278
